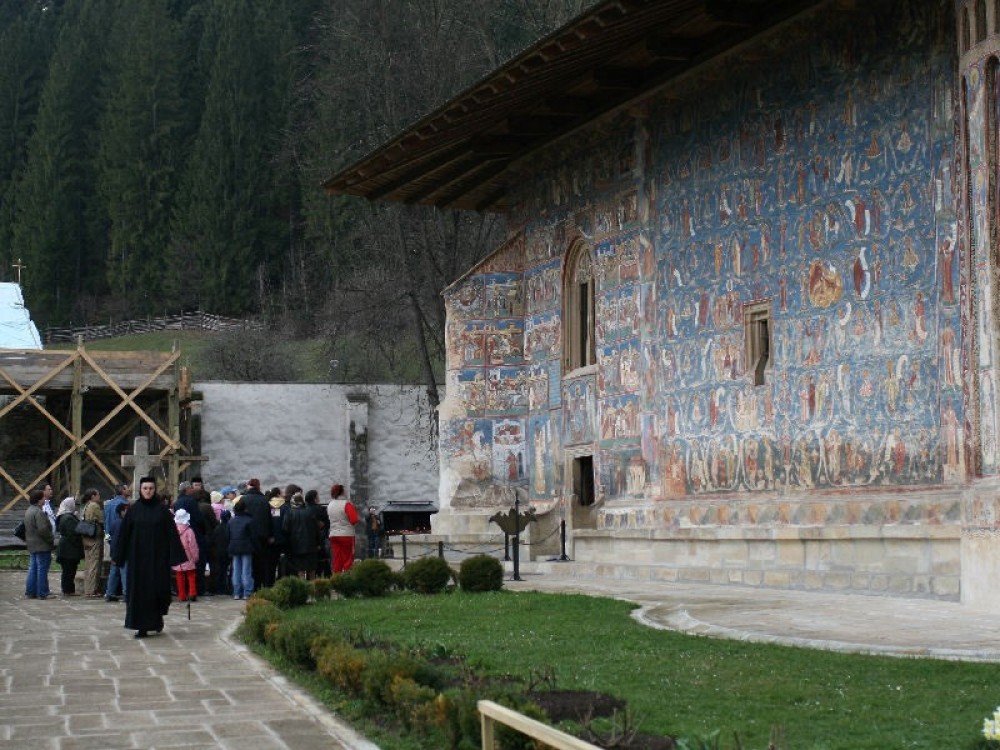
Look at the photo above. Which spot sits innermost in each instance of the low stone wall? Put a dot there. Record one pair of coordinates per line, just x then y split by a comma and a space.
898, 561
937, 543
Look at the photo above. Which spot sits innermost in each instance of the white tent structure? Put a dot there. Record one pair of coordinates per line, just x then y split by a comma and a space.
16, 329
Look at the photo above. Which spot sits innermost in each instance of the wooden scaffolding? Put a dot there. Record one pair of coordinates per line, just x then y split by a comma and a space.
92, 404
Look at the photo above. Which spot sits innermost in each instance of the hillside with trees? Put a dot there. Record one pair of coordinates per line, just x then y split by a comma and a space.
166, 155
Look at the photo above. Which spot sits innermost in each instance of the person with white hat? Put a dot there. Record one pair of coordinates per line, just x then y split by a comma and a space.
187, 582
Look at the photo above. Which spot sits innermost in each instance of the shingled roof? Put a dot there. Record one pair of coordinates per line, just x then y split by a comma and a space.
460, 155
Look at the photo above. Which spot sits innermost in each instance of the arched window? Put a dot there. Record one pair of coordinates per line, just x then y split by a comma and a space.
966, 39
578, 309
980, 21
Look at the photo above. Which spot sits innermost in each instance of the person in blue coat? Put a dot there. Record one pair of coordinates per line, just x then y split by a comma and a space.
241, 545
115, 587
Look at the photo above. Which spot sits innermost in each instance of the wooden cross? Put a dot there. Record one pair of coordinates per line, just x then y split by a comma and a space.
19, 266
141, 462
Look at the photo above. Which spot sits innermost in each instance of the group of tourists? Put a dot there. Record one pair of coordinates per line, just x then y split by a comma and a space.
74, 532
230, 542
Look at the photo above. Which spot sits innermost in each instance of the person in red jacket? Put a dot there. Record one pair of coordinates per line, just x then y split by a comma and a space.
343, 515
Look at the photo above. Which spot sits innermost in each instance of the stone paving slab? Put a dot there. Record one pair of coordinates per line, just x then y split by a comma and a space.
850, 623
72, 678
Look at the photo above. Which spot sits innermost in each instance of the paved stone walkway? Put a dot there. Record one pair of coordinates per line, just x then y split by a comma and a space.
71, 677
849, 623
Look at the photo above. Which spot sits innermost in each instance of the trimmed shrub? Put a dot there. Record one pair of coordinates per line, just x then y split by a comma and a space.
295, 638
384, 667
369, 578
341, 665
458, 716
373, 577
321, 589
428, 575
481, 573
345, 584
288, 592
260, 614
411, 702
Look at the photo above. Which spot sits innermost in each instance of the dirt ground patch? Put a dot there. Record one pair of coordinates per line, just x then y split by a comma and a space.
582, 705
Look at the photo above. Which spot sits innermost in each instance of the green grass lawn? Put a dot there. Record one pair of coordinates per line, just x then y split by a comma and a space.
689, 685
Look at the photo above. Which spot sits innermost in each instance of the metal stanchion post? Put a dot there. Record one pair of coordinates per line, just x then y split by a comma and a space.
562, 540
441, 550
404, 549
517, 539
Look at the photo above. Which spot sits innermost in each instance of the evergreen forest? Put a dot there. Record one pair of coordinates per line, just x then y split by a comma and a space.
158, 156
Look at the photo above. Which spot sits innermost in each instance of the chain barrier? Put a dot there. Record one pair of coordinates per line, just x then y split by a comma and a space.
478, 550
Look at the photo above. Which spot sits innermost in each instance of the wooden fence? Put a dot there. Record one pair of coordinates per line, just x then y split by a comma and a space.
491, 713
190, 321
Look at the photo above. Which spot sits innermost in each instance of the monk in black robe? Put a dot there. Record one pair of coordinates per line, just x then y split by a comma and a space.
149, 545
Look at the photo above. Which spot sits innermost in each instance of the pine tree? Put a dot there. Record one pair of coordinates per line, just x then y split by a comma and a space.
141, 142
57, 223
26, 34
230, 233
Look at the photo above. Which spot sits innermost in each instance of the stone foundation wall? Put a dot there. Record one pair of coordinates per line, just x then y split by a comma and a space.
898, 561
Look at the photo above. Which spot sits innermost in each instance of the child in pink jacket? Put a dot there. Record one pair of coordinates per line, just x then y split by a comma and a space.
186, 583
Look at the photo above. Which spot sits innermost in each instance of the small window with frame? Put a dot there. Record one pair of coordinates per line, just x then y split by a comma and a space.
757, 340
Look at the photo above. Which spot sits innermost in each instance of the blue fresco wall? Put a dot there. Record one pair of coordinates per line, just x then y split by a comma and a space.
812, 172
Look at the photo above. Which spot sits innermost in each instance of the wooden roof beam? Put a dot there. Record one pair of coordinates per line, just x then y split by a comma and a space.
420, 168
618, 79
574, 106
464, 188
451, 177
538, 125
736, 13
499, 145
669, 47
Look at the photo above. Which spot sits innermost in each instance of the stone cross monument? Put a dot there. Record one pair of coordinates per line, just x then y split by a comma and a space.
141, 463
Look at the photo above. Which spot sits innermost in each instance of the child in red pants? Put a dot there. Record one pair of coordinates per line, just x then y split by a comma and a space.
186, 582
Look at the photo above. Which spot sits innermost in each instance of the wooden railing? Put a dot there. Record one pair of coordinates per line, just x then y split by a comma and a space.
491, 713
189, 321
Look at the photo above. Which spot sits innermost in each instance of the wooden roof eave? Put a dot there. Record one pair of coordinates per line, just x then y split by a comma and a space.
534, 104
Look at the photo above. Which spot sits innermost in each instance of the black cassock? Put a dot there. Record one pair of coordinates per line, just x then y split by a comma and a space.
149, 545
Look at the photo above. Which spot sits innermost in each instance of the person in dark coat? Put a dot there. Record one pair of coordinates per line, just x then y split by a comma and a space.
241, 545
69, 550
149, 544
207, 557
277, 550
303, 539
323, 569
260, 513
219, 543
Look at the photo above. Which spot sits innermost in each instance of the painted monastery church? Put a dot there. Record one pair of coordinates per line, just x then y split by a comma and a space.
744, 325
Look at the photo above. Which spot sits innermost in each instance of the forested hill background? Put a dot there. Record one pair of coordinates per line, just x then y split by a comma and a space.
163, 155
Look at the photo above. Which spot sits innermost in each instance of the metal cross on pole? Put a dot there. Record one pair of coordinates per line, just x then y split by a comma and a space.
18, 266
